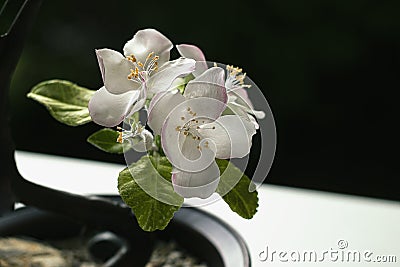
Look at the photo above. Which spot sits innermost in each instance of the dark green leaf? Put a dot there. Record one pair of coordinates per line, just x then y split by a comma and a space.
234, 188
146, 187
66, 101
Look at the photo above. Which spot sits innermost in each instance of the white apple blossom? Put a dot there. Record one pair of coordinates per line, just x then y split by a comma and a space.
193, 132
130, 79
238, 99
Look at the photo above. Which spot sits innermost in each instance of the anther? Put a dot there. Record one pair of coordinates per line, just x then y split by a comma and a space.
150, 55
119, 139
131, 58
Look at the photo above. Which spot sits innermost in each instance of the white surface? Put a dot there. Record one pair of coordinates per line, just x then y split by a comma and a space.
288, 219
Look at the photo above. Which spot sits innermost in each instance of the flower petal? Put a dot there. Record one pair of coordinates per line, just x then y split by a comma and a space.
241, 98
147, 41
115, 70
163, 78
259, 114
210, 84
135, 104
196, 184
159, 108
180, 124
108, 109
191, 51
231, 135
235, 109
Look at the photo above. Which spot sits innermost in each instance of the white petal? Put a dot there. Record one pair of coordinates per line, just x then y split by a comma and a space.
196, 184
190, 149
254, 121
191, 51
231, 135
137, 103
115, 70
159, 108
147, 41
197, 156
108, 109
210, 84
235, 109
172, 137
240, 98
163, 78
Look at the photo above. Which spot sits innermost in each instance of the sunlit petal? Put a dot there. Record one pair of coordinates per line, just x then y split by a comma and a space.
196, 184
209, 84
109, 109
231, 135
192, 51
163, 78
115, 70
160, 107
147, 41
182, 122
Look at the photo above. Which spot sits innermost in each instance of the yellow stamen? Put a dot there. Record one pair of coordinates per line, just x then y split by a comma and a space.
150, 55
119, 139
131, 58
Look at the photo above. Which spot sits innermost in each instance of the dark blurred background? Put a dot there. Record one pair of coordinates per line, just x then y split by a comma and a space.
329, 69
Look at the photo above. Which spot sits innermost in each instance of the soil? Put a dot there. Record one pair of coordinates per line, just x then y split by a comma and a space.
21, 252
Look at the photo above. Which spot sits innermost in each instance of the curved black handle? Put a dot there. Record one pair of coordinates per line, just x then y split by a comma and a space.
11, 45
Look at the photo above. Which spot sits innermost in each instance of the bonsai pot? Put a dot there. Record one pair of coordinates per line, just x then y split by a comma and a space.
202, 235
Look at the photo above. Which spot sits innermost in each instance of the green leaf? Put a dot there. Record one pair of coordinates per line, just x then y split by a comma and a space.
183, 82
146, 187
66, 101
106, 140
237, 194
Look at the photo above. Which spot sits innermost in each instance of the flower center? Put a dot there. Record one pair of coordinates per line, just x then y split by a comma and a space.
124, 134
143, 70
235, 78
190, 128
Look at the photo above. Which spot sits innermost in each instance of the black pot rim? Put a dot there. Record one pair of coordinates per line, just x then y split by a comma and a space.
210, 238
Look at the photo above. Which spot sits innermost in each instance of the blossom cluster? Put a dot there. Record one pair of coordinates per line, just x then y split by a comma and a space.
200, 111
